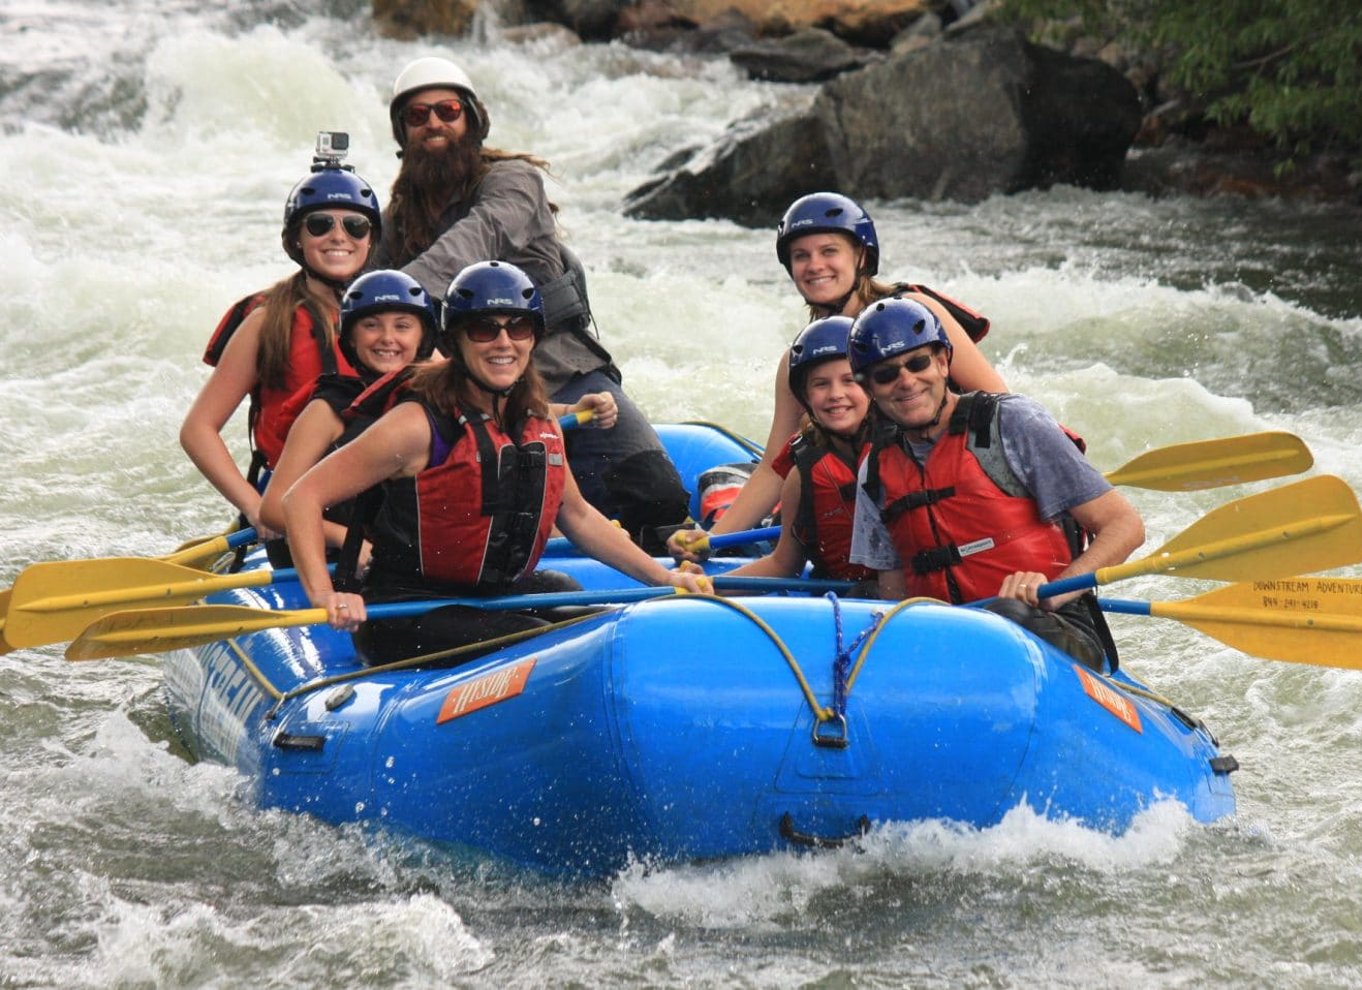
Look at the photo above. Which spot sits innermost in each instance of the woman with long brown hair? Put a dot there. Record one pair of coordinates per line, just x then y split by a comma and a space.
271, 345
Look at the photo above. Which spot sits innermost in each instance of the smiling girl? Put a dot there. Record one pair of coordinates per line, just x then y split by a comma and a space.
818, 498
387, 323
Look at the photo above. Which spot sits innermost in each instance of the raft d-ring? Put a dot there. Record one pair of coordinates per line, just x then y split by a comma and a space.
831, 732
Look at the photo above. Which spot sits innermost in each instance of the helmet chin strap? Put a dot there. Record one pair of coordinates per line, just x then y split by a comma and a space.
935, 420
835, 308
838, 306
335, 285
499, 395
495, 392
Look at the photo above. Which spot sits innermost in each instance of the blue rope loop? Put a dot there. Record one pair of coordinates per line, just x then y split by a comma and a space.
841, 664
841, 661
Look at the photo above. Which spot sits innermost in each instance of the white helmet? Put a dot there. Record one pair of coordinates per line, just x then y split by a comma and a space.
433, 73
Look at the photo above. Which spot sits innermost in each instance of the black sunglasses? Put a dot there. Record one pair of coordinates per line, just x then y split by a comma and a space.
320, 224
416, 114
484, 329
886, 373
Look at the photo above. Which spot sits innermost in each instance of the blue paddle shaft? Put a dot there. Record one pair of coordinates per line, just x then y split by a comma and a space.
561, 546
747, 536
1075, 582
240, 538
1125, 606
564, 599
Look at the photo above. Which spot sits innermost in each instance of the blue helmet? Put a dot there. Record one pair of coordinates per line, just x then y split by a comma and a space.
827, 212
491, 287
893, 326
386, 291
328, 188
822, 340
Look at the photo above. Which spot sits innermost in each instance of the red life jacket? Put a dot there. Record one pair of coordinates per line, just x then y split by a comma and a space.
478, 516
273, 410
958, 530
974, 323
827, 505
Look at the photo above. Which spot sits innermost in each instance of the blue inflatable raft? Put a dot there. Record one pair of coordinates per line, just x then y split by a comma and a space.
685, 728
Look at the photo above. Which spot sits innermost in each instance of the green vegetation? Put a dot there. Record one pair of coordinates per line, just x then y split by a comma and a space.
1289, 69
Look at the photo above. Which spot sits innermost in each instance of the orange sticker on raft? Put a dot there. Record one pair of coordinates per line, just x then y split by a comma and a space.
485, 690
1110, 699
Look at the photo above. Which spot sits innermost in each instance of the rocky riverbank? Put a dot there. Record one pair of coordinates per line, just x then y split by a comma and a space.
1056, 114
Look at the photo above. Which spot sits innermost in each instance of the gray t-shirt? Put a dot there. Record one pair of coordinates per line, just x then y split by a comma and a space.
1051, 469
508, 218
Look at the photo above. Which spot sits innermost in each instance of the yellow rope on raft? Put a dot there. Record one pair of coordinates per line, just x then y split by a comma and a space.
821, 712
875, 634
254, 671
425, 658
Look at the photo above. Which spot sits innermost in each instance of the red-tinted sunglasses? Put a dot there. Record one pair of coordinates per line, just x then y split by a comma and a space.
484, 329
885, 374
416, 114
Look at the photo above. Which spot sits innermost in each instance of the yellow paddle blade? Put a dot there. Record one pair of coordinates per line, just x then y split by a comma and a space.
1298, 620
54, 601
4, 645
5, 596
1186, 467
157, 630
1312, 525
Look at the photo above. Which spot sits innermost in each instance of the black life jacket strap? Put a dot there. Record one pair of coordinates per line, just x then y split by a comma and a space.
380, 396
366, 506
325, 351
513, 482
915, 500
935, 559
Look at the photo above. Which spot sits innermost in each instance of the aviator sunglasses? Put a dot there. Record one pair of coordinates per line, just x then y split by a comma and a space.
484, 329
320, 224
916, 364
416, 114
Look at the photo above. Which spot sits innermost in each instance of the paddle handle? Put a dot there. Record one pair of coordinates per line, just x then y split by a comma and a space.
575, 419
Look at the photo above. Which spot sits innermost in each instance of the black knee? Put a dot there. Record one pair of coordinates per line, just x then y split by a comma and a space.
647, 494
1054, 629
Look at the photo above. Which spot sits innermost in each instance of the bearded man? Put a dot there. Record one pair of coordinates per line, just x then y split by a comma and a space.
456, 202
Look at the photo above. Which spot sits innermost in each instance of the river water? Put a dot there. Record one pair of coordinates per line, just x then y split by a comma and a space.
147, 148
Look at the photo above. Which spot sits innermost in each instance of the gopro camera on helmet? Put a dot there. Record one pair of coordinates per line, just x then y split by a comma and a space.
332, 147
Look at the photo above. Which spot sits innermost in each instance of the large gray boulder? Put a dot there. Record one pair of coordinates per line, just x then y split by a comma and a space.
749, 177
961, 119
